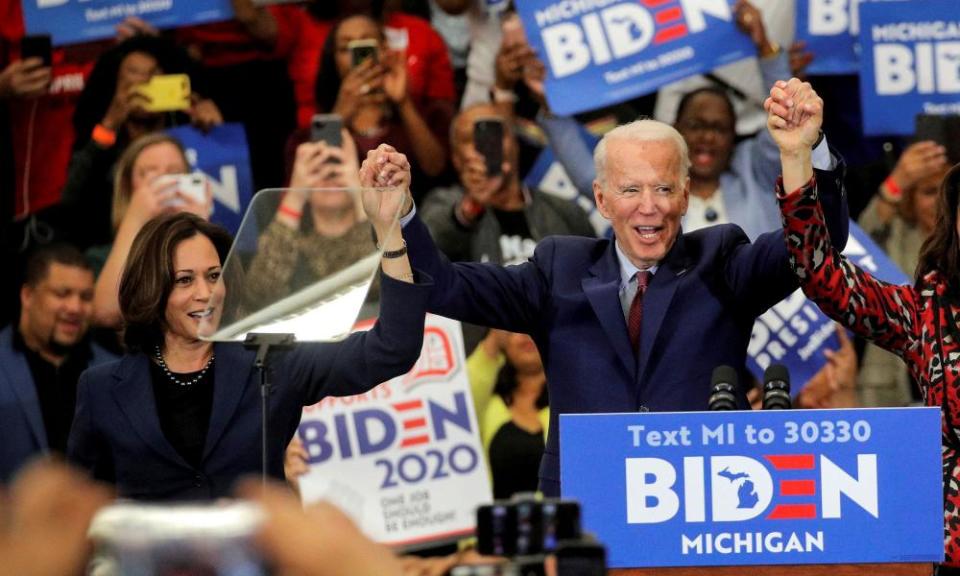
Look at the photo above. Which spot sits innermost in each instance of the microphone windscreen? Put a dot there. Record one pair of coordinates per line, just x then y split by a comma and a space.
776, 372
723, 374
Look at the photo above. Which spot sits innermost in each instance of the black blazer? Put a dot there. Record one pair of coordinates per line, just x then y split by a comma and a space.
116, 432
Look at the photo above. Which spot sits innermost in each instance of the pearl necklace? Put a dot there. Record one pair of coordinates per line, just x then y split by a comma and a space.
163, 366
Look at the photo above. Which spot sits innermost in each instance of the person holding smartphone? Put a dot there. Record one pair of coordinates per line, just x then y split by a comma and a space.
492, 216
146, 185
368, 86
316, 231
110, 115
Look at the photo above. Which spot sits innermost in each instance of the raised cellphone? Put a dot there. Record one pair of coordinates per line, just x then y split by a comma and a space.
37, 46
167, 92
193, 186
488, 140
360, 50
326, 128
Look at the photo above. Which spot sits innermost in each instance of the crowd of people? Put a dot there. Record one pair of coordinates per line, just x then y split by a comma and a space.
695, 227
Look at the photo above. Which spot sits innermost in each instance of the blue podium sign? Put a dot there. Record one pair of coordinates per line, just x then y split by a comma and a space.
910, 54
603, 52
750, 488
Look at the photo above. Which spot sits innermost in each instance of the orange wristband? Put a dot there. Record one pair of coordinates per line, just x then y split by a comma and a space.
893, 190
284, 209
103, 136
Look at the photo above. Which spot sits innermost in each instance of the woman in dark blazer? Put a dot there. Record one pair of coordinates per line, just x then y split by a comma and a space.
178, 418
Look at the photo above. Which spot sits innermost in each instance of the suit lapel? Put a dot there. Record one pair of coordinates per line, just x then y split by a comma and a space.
230, 380
658, 297
602, 289
17, 372
133, 391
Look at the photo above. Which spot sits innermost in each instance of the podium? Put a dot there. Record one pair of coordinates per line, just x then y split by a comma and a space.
790, 492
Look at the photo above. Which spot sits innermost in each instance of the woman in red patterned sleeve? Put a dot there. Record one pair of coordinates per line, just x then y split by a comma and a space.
919, 323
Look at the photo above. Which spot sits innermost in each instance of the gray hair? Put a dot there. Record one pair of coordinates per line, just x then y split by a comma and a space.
645, 130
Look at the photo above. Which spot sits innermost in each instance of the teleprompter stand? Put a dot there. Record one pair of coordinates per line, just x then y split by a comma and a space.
263, 343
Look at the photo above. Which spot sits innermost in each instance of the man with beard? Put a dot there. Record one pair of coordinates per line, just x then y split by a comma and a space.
41, 358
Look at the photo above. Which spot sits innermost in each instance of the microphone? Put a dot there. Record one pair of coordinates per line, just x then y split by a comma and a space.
776, 388
723, 386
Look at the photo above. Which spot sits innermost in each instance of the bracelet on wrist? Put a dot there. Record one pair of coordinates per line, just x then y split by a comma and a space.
890, 191
288, 211
389, 254
103, 136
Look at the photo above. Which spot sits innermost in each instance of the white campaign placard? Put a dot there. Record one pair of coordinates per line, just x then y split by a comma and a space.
404, 460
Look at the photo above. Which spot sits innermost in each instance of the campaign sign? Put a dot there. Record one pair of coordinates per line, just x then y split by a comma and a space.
404, 460
911, 51
752, 487
794, 332
831, 30
222, 155
605, 52
74, 21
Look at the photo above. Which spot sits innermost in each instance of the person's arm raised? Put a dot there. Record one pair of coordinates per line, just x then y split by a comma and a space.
794, 118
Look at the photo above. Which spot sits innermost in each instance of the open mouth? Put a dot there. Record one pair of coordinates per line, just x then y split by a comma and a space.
648, 232
201, 314
703, 157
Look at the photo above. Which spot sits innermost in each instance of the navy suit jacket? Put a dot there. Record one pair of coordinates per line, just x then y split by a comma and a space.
117, 436
698, 312
22, 432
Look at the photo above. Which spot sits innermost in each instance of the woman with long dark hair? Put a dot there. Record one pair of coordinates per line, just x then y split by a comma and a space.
918, 323
375, 101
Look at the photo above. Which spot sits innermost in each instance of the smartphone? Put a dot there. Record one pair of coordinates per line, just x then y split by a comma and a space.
326, 128
167, 92
497, 529
530, 566
180, 539
581, 558
942, 129
488, 140
193, 186
560, 520
360, 50
37, 46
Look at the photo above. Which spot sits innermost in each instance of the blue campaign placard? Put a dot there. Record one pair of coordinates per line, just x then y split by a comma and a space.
752, 487
911, 51
222, 155
74, 21
830, 29
602, 53
794, 332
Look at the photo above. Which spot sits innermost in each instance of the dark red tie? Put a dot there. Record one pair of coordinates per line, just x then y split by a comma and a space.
635, 318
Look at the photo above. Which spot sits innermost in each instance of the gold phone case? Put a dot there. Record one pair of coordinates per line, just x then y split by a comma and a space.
167, 92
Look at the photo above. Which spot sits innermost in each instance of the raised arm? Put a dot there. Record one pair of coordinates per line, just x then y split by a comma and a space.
882, 312
485, 294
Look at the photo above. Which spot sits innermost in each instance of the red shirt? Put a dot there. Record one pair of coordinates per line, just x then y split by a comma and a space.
42, 128
429, 72
304, 64
228, 43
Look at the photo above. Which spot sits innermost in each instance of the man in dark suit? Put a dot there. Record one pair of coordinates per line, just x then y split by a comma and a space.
41, 358
604, 348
